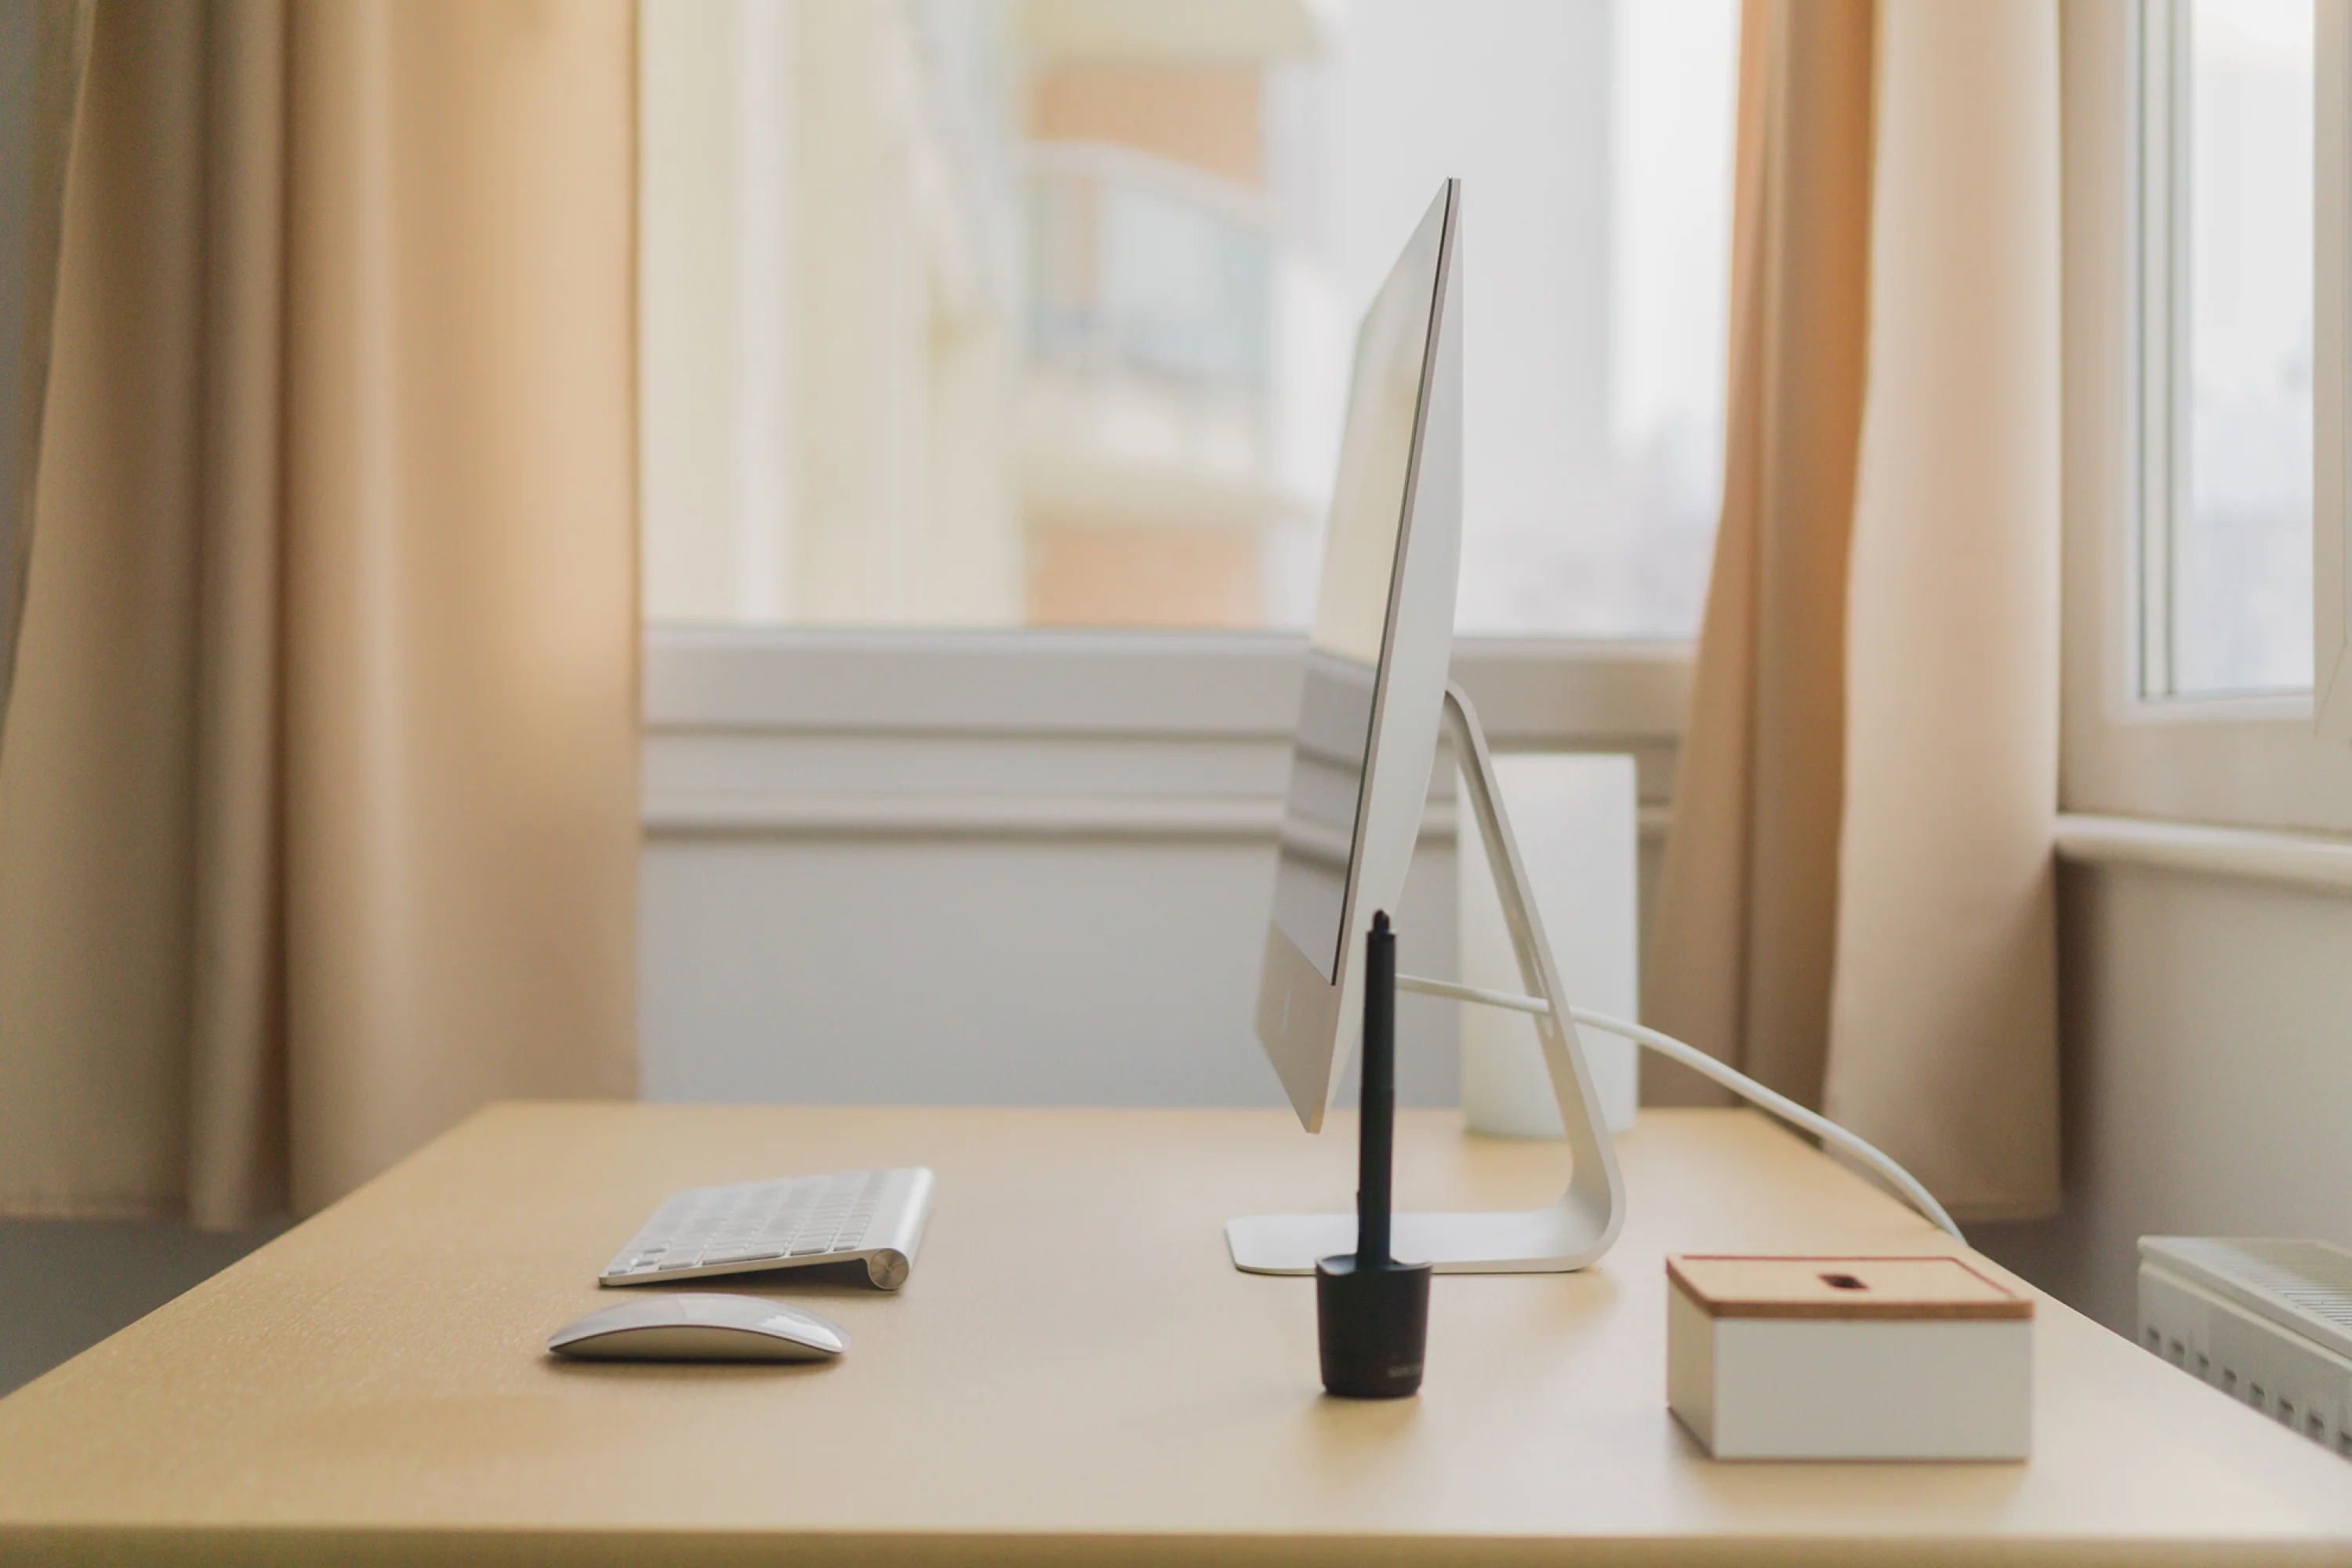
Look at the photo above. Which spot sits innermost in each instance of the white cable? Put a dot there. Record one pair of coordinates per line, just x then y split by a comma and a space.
1478, 994
1780, 1105
1698, 1061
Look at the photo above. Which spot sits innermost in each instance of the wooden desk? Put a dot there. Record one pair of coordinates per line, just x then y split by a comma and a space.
1073, 1374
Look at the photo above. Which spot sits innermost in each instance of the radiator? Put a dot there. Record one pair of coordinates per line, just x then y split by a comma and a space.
2266, 1321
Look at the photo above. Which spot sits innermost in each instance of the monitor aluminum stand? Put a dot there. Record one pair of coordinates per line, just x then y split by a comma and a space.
1569, 1232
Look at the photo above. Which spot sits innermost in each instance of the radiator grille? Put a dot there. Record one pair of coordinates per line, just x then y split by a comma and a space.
2238, 1315
2303, 1285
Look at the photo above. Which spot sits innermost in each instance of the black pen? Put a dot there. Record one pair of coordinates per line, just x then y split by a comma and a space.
1371, 1312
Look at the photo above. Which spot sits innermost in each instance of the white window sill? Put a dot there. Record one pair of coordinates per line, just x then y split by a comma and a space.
2295, 859
1060, 735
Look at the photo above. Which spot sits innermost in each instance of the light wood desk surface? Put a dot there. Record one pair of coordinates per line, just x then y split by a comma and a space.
1073, 1374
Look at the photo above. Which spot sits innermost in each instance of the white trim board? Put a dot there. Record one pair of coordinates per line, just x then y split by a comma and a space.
1237, 820
1534, 694
784, 734
2295, 859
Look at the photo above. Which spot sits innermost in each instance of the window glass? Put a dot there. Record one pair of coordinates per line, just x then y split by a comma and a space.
2234, 593
961, 312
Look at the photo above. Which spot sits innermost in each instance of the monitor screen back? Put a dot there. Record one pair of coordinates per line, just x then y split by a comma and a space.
1322, 821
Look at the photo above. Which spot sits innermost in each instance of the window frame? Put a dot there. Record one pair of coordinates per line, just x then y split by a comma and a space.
2331, 346
2255, 761
714, 695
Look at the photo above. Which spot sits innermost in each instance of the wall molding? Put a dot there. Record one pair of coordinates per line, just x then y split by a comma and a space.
688, 814
2245, 854
877, 735
1536, 693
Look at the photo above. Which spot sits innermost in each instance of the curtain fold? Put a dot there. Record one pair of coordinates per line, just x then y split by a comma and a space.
1742, 958
1943, 1029
43, 44
95, 769
318, 819
237, 1068
1856, 900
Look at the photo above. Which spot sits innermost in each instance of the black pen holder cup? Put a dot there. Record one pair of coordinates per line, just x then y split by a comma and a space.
1373, 1324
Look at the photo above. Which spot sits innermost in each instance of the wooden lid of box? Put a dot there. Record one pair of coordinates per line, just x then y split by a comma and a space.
1847, 1288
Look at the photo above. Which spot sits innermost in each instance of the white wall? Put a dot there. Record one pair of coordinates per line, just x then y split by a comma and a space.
1033, 870
928, 967
2208, 1026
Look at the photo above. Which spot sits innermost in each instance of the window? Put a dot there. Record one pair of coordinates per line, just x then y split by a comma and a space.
2195, 383
2227, 324
967, 312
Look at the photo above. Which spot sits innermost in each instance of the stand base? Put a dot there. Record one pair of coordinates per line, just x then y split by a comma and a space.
1554, 1240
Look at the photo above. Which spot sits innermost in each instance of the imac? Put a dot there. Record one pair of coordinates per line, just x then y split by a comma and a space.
1375, 694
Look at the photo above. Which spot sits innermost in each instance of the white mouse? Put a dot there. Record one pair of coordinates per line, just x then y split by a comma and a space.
701, 1327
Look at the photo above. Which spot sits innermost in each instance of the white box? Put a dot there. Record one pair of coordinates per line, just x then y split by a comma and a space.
1848, 1358
1574, 819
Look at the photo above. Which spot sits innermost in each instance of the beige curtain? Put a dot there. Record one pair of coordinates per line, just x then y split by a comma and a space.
43, 44
317, 815
1857, 901
1742, 950
1943, 1028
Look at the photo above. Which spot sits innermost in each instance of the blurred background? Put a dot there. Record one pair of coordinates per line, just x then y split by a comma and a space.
1049, 324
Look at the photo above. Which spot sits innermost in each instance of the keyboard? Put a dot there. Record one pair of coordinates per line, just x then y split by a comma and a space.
874, 1217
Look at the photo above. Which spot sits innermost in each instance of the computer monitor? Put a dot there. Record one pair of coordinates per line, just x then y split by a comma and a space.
1376, 663
1374, 695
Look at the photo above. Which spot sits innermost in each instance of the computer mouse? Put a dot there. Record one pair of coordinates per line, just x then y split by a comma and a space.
701, 1327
